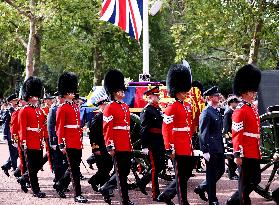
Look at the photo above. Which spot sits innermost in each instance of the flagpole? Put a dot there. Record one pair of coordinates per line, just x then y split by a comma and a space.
145, 76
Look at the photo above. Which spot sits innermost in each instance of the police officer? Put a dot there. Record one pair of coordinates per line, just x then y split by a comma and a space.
103, 159
31, 122
211, 144
116, 130
232, 102
246, 134
59, 160
13, 154
177, 133
69, 133
152, 141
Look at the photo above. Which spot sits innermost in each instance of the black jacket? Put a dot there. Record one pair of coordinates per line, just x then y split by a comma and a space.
227, 122
151, 127
96, 134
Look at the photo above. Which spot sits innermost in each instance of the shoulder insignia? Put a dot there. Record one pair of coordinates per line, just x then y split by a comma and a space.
107, 119
240, 105
237, 126
168, 119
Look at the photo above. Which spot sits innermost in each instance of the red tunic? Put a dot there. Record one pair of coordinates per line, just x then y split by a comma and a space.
177, 128
68, 125
246, 131
116, 126
31, 121
14, 126
45, 111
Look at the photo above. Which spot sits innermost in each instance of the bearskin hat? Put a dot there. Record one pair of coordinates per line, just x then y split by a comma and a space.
67, 83
247, 78
33, 86
179, 79
114, 81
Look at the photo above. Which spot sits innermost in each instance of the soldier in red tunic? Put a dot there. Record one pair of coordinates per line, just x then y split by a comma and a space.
116, 130
48, 99
15, 135
31, 121
69, 134
246, 134
177, 133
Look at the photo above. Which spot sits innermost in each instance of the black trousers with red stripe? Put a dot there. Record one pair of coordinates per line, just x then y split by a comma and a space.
183, 171
249, 178
34, 164
73, 171
157, 161
122, 164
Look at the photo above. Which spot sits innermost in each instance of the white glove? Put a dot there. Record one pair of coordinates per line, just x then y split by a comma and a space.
198, 153
24, 146
15, 145
54, 147
206, 156
145, 151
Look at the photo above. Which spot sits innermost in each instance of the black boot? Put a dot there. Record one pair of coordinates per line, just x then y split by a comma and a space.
93, 185
5, 170
80, 199
128, 203
22, 183
59, 189
39, 195
142, 188
201, 193
106, 196
163, 198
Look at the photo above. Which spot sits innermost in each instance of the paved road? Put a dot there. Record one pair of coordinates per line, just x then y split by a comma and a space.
10, 192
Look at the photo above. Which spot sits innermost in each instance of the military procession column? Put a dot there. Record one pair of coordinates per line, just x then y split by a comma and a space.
163, 133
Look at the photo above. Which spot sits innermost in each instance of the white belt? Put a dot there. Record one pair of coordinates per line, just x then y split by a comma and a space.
36, 129
181, 129
121, 128
248, 134
71, 126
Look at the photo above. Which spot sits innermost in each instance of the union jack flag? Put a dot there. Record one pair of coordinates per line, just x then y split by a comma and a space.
127, 14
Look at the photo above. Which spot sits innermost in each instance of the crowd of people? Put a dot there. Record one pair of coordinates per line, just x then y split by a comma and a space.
34, 121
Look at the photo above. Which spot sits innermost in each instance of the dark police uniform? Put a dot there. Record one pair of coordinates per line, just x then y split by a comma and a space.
152, 138
211, 141
104, 160
12, 160
59, 160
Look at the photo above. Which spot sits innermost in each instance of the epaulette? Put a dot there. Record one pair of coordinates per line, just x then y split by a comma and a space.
171, 103
60, 105
240, 105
